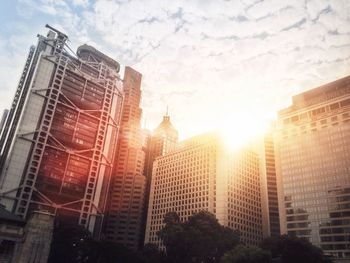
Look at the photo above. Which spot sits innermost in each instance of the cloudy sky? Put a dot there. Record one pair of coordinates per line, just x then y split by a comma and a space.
214, 63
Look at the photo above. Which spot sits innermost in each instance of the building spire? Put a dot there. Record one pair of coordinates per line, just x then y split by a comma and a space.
166, 116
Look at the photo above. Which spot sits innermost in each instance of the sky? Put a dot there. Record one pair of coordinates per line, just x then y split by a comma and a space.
215, 64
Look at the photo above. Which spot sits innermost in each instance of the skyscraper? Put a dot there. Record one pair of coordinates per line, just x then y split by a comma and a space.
313, 167
127, 191
202, 175
57, 145
269, 197
162, 141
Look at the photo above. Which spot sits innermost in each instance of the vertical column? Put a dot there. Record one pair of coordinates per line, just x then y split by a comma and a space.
27, 187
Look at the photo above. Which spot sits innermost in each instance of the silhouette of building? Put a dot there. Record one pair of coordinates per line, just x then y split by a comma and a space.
313, 167
126, 201
201, 174
58, 142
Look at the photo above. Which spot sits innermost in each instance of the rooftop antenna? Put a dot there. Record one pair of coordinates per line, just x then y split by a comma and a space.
167, 111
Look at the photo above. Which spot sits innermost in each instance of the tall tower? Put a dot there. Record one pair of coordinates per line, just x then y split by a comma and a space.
313, 167
56, 150
165, 136
201, 174
269, 196
163, 140
128, 186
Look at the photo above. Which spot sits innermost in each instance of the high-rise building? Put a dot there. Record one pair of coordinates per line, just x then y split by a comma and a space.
58, 141
127, 191
162, 141
313, 167
201, 174
269, 197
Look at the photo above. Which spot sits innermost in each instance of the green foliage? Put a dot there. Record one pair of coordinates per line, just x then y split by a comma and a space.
74, 244
200, 239
293, 249
242, 254
107, 252
70, 244
151, 254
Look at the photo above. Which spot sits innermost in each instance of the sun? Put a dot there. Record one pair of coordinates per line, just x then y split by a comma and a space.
240, 130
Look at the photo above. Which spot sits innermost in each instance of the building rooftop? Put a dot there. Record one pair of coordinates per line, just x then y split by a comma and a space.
320, 94
86, 49
165, 126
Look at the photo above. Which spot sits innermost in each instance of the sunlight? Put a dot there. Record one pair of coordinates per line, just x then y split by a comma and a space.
239, 130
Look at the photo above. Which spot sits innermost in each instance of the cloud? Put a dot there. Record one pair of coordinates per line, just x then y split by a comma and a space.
203, 58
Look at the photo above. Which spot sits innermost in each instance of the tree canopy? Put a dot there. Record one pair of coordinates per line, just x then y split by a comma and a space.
242, 254
200, 239
293, 249
71, 243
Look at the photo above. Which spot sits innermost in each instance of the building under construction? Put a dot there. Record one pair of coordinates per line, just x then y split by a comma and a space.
59, 139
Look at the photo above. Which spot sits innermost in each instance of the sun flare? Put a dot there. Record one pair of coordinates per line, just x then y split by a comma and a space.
241, 130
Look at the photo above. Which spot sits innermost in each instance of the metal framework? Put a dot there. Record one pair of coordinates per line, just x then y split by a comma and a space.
58, 100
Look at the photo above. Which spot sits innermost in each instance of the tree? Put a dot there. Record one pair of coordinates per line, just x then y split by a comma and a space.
241, 254
71, 243
200, 239
151, 254
174, 238
294, 249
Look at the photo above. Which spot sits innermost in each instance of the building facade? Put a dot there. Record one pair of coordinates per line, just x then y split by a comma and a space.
162, 141
3, 119
126, 201
269, 197
313, 167
56, 150
202, 175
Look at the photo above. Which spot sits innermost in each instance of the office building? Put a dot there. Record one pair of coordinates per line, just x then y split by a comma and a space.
58, 141
264, 147
313, 167
162, 141
126, 202
202, 175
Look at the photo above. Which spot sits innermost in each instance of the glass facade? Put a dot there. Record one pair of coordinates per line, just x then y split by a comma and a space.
313, 145
55, 148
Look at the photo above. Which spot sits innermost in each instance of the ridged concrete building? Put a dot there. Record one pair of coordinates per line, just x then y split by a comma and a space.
126, 201
58, 142
202, 175
313, 167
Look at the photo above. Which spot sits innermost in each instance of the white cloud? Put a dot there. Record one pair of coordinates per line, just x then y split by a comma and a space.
205, 58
